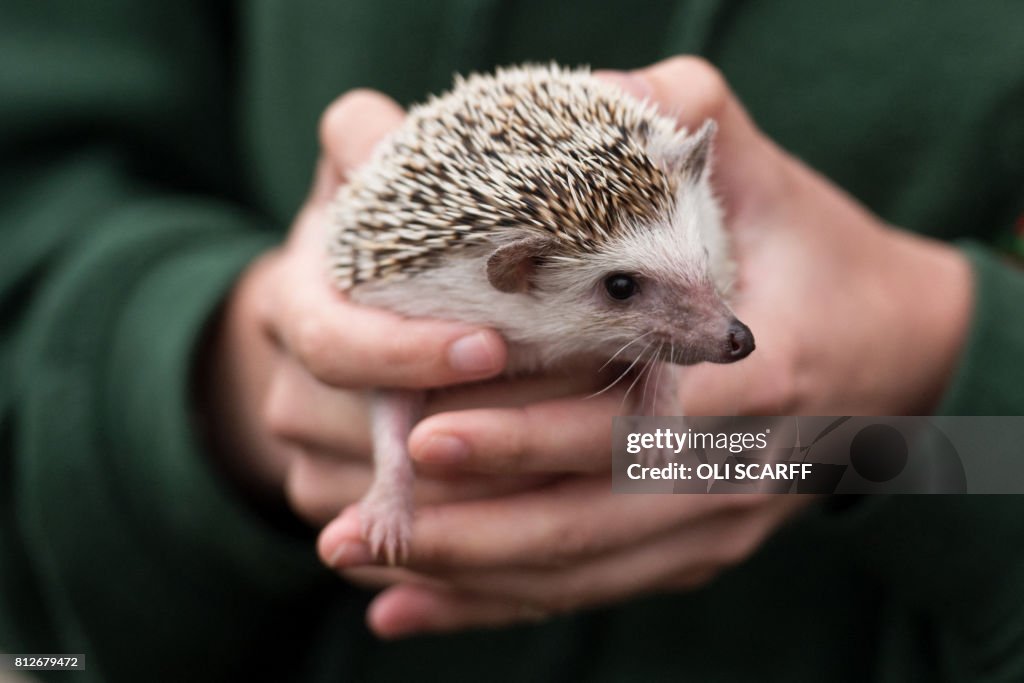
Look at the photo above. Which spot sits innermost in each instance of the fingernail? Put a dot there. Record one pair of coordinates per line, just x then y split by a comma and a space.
630, 81
473, 354
443, 449
351, 554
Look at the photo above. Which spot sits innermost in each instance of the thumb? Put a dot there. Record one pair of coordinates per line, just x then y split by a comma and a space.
353, 125
350, 128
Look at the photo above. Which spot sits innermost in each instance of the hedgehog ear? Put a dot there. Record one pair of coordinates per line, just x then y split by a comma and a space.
510, 268
690, 159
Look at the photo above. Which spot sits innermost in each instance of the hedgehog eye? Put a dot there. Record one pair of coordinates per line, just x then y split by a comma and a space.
620, 286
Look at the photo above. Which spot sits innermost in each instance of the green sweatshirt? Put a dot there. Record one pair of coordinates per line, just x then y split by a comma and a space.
149, 151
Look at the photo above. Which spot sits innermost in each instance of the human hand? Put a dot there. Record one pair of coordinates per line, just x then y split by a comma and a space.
850, 284
570, 545
283, 372
851, 316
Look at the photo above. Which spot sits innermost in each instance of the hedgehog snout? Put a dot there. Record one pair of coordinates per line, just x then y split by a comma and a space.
703, 329
739, 342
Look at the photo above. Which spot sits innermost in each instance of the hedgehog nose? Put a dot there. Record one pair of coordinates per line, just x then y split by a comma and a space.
740, 341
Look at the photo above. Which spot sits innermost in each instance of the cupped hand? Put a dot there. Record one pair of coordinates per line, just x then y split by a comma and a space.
290, 355
851, 316
569, 545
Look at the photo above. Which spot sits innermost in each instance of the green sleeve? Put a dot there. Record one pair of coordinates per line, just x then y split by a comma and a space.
990, 376
117, 539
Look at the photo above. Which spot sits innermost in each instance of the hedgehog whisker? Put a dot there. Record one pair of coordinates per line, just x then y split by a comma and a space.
662, 370
624, 372
639, 374
623, 348
649, 369
643, 361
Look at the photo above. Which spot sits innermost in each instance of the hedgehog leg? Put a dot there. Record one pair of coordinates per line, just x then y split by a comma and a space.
386, 509
660, 398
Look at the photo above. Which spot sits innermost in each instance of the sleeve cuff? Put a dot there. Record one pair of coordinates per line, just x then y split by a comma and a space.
990, 376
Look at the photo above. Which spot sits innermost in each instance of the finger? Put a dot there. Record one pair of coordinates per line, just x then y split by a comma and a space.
537, 528
722, 540
410, 608
317, 487
326, 180
564, 435
383, 577
319, 484
506, 392
463, 600
304, 412
345, 345
628, 81
407, 610
353, 125
678, 560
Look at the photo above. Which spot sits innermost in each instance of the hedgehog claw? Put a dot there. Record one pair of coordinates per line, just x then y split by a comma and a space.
386, 526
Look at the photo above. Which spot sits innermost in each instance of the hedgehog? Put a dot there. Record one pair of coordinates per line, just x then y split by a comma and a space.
553, 207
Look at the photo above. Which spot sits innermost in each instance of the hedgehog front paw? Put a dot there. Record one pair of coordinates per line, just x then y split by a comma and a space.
386, 518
